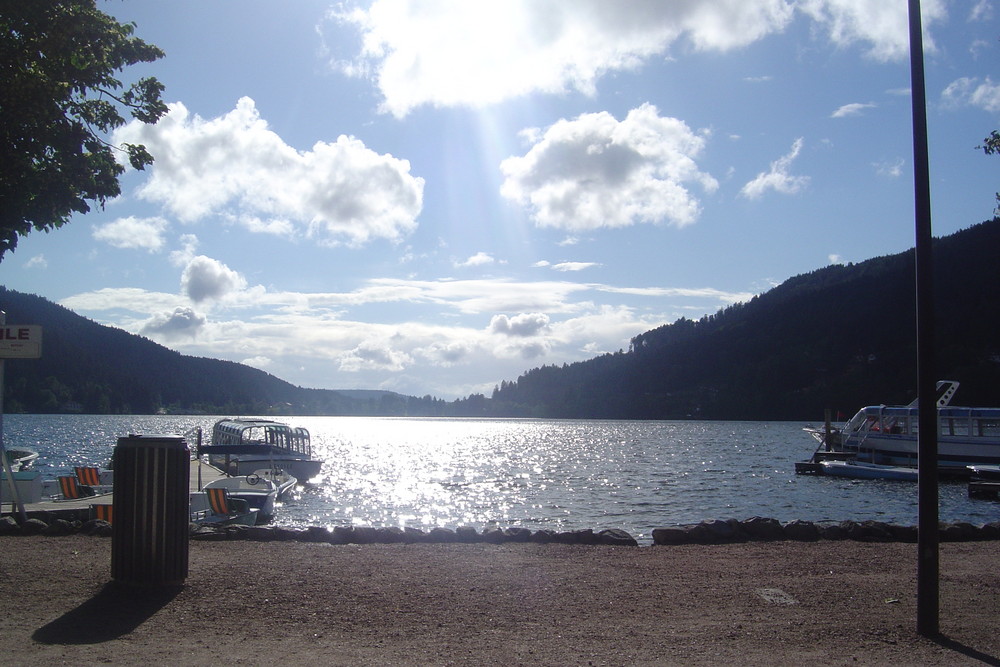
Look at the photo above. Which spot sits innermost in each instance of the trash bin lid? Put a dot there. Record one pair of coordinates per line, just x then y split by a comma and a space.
170, 441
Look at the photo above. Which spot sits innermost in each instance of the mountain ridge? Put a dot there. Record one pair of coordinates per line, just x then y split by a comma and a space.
836, 337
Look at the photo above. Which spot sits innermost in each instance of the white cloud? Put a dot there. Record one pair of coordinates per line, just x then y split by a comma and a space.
335, 193
260, 362
883, 26
484, 296
893, 169
133, 232
680, 292
181, 323
981, 11
312, 337
133, 299
37, 262
967, 91
778, 178
479, 259
375, 355
205, 278
189, 245
447, 353
460, 53
478, 53
834, 259
594, 172
523, 325
607, 328
465, 297
574, 266
853, 109
978, 47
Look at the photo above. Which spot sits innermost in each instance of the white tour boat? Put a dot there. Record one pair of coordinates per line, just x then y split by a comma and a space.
887, 435
243, 446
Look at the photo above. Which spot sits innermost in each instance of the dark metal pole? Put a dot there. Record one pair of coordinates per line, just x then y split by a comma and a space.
927, 484
15, 496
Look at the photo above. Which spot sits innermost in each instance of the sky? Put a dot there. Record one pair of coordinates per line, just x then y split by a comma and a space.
432, 197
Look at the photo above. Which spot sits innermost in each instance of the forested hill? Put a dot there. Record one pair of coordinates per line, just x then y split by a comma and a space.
839, 337
91, 368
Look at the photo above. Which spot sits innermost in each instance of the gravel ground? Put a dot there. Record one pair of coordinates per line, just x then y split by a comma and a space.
268, 603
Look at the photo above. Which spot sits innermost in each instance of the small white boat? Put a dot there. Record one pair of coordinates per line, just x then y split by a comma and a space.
985, 472
221, 510
21, 459
864, 470
984, 482
260, 489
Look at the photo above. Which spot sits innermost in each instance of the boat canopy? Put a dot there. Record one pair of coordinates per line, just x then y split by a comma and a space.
952, 420
249, 436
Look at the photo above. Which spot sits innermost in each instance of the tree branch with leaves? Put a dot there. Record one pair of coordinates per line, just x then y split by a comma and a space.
991, 146
60, 99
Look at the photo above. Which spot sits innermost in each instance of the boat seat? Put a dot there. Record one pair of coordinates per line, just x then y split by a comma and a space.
102, 512
88, 476
71, 488
218, 500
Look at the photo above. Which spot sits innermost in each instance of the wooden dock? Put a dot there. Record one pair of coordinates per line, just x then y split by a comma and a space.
80, 508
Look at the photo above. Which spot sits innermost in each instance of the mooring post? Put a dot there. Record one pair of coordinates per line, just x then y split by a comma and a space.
828, 430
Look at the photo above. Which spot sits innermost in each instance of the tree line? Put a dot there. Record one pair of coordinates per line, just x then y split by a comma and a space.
839, 337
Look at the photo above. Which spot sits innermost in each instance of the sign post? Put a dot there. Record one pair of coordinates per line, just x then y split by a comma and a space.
928, 564
18, 342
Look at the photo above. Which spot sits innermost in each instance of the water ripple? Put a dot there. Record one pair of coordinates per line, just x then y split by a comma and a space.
552, 474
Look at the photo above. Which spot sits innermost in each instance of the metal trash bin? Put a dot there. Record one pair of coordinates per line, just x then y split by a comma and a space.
149, 539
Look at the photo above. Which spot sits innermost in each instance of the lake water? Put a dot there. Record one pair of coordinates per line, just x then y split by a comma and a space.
554, 474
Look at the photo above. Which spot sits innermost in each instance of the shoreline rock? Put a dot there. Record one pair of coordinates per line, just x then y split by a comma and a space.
713, 531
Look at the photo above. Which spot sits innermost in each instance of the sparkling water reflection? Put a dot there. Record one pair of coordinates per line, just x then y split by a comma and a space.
560, 475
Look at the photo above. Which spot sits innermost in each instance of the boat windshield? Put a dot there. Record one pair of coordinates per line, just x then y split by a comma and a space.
857, 420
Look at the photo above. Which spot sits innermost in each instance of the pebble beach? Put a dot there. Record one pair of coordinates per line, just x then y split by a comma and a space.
829, 602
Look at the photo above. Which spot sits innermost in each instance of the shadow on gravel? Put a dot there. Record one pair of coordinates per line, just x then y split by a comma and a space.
967, 651
115, 611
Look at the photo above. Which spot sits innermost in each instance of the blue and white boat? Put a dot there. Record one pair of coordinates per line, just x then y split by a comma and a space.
887, 435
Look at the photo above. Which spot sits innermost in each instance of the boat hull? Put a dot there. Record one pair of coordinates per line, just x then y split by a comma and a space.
861, 470
989, 473
955, 453
282, 480
259, 495
300, 469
